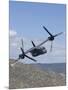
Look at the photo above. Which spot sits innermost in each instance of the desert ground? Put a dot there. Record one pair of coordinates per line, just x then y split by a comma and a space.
30, 76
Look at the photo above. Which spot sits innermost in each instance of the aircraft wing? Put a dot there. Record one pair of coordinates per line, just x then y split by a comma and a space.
36, 46
42, 43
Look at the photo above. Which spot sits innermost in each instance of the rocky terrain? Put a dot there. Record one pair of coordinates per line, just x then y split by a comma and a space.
30, 76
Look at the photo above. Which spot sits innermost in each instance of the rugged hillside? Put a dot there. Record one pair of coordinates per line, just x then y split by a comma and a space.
29, 76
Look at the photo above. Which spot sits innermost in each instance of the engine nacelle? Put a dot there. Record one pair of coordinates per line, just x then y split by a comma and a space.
21, 56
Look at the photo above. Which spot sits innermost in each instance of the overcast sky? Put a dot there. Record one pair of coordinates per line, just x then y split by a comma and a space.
26, 20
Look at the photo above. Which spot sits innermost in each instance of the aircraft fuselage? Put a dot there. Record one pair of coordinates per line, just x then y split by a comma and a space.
38, 51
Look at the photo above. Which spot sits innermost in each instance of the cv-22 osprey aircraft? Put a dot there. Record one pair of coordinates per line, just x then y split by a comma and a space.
37, 50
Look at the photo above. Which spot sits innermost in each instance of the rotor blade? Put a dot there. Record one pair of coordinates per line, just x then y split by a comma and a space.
22, 51
58, 34
16, 61
30, 58
22, 43
51, 46
47, 31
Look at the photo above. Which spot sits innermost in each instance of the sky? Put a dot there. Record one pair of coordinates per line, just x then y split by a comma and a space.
26, 20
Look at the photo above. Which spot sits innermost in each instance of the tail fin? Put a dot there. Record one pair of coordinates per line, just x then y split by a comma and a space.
33, 43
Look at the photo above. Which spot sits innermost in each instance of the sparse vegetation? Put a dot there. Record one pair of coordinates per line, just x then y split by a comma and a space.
28, 76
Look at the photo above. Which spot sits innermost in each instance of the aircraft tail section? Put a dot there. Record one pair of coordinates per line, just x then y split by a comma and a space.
33, 43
